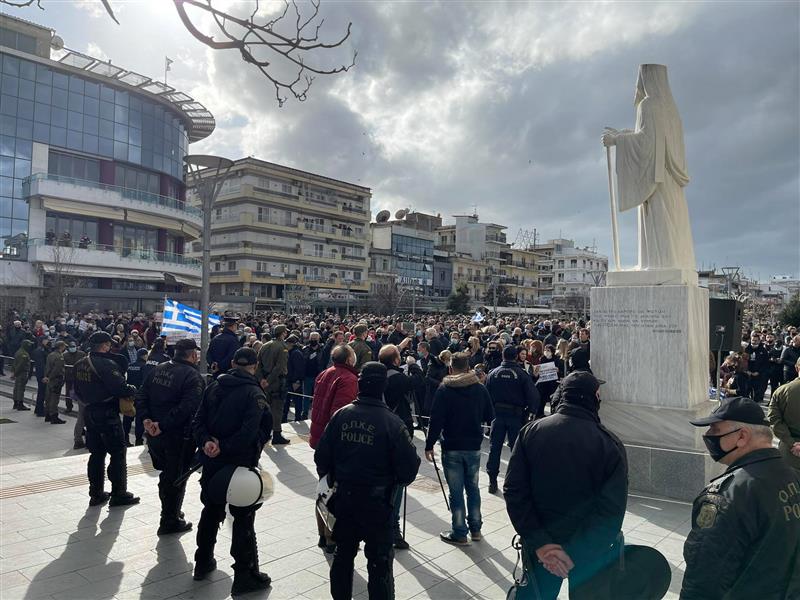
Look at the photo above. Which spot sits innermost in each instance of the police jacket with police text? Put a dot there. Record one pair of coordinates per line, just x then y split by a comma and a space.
745, 538
234, 411
365, 444
170, 396
567, 483
100, 382
511, 387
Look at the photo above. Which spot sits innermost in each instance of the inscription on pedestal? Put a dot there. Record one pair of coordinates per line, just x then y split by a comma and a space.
651, 320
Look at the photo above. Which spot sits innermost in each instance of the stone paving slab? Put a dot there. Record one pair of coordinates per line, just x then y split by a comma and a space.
52, 546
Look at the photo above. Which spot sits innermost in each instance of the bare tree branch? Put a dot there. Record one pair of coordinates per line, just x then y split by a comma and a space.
279, 47
262, 38
22, 3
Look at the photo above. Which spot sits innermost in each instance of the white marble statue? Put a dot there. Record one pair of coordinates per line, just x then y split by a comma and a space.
651, 174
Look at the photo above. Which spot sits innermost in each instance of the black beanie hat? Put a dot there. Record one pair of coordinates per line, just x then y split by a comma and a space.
372, 380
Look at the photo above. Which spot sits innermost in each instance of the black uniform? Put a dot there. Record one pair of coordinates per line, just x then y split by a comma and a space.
567, 483
759, 363
775, 367
367, 450
100, 383
39, 359
745, 538
169, 396
234, 411
221, 350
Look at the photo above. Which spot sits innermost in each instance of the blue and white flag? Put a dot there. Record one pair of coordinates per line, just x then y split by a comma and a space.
477, 317
181, 321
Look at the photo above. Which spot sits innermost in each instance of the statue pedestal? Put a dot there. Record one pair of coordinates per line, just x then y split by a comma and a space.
650, 345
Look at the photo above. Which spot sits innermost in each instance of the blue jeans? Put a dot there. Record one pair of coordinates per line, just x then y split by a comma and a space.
503, 426
461, 472
308, 390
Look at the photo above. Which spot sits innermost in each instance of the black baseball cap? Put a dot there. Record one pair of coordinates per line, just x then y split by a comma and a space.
245, 357
186, 344
740, 409
581, 381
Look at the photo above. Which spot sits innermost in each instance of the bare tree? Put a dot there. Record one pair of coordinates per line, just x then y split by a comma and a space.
59, 279
280, 47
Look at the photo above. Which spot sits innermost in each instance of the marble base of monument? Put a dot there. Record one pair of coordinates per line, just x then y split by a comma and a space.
650, 345
666, 455
651, 277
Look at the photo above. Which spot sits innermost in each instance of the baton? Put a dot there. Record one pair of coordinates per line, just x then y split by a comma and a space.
183, 478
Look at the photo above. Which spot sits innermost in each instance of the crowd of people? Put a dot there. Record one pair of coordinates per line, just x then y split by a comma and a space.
368, 384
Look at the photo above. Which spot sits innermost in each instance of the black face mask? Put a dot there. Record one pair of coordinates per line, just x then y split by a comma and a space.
714, 445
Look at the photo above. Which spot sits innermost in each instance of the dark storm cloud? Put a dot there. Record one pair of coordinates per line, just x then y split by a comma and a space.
441, 114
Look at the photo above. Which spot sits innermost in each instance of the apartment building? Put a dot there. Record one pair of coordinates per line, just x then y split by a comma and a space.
279, 232
575, 270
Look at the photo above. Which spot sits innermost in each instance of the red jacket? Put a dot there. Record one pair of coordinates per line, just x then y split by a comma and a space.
335, 387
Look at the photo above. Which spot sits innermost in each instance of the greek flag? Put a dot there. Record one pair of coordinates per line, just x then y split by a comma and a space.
182, 320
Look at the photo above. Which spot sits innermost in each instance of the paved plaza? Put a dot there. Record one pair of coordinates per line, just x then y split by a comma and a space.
53, 546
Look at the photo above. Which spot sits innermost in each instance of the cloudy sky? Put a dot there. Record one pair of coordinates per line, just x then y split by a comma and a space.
501, 106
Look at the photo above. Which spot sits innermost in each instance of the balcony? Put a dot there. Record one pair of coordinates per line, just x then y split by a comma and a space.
88, 194
78, 259
339, 231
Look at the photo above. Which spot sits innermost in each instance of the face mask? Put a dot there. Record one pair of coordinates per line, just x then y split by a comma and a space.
131, 344
548, 354
73, 350
714, 445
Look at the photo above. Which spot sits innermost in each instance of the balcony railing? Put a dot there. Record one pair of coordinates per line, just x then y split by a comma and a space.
127, 193
145, 254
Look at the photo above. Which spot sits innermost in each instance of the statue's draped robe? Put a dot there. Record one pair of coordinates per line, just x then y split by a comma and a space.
651, 175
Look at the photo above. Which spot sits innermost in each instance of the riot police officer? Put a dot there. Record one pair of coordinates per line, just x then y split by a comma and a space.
745, 538
231, 427
100, 384
166, 402
367, 450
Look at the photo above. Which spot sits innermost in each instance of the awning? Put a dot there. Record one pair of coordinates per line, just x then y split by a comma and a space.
81, 271
184, 279
84, 208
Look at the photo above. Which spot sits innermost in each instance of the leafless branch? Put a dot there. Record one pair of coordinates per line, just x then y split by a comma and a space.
260, 43
22, 3
280, 47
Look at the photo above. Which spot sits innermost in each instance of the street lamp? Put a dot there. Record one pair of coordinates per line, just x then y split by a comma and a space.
207, 173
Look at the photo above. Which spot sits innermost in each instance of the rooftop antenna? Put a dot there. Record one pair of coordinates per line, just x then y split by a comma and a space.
475, 210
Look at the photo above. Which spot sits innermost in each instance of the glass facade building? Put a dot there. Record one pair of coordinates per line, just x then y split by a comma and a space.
413, 260
41, 104
91, 169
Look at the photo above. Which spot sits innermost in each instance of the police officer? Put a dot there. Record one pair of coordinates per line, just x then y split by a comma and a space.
367, 451
20, 372
273, 361
231, 427
745, 538
100, 384
166, 402
514, 396
360, 346
223, 346
54, 378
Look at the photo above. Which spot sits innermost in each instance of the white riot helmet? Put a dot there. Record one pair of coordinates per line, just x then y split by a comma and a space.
240, 486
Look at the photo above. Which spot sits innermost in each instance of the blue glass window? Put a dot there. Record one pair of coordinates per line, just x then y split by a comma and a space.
60, 80
27, 89
75, 101
58, 117
8, 105
107, 129
24, 129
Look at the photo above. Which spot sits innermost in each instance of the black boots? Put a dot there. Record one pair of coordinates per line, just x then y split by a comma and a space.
98, 498
123, 499
399, 541
492, 484
169, 526
20, 406
54, 420
245, 582
278, 439
203, 568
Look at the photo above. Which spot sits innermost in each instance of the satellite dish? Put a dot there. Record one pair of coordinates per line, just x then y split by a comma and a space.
401, 214
383, 216
56, 43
